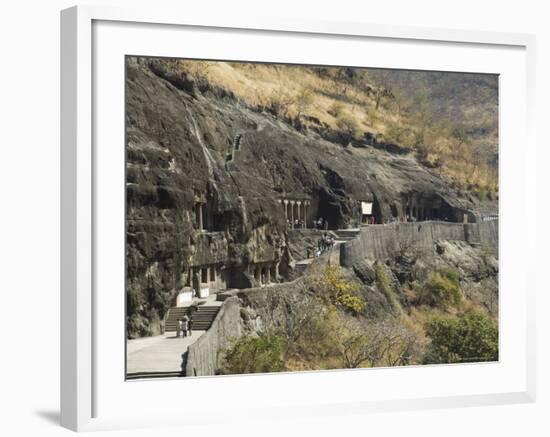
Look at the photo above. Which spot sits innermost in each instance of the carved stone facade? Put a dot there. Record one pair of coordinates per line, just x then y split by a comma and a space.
297, 211
264, 273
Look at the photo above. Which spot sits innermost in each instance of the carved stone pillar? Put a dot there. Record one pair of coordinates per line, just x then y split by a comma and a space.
258, 274
292, 212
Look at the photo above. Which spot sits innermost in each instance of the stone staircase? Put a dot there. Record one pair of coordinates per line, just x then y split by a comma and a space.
174, 314
202, 318
237, 141
230, 156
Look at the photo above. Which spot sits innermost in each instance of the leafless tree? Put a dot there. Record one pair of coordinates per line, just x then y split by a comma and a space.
378, 343
286, 313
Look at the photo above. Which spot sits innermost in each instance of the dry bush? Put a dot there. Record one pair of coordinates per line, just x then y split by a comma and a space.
198, 69
286, 313
387, 342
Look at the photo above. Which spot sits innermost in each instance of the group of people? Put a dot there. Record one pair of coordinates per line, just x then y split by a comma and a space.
185, 327
384, 220
320, 223
390, 219
324, 243
296, 224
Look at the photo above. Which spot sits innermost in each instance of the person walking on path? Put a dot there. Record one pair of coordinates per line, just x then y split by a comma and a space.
184, 325
190, 326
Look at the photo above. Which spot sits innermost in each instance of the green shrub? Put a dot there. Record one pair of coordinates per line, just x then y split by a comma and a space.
442, 289
482, 193
353, 303
261, 354
472, 337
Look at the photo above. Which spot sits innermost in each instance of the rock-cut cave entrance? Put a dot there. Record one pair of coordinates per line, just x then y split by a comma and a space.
376, 211
329, 210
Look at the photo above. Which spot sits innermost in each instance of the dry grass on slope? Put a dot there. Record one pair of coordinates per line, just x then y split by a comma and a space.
294, 90
354, 101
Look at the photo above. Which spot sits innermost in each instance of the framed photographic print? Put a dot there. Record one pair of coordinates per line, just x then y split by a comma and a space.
291, 218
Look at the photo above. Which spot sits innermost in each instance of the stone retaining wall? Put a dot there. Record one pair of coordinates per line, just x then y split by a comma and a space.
382, 241
202, 356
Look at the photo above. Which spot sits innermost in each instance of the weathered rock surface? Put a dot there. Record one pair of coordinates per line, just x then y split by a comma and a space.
477, 268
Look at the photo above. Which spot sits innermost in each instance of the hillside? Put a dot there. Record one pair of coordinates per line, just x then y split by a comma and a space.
449, 119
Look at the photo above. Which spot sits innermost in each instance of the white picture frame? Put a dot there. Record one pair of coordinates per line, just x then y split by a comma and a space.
81, 374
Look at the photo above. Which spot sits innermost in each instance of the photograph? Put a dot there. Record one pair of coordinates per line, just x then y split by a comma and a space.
295, 217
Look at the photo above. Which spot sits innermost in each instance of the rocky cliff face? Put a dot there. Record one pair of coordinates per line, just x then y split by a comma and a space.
207, 178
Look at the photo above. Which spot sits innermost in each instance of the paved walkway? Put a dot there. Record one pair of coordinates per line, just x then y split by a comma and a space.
332, 255
162, 353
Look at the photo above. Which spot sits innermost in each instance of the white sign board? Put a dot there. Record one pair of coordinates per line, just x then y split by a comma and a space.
366, 208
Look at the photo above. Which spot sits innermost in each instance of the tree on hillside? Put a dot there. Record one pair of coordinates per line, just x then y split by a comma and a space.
422, 113
472, 337
384, 86
401, 99
280, 100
